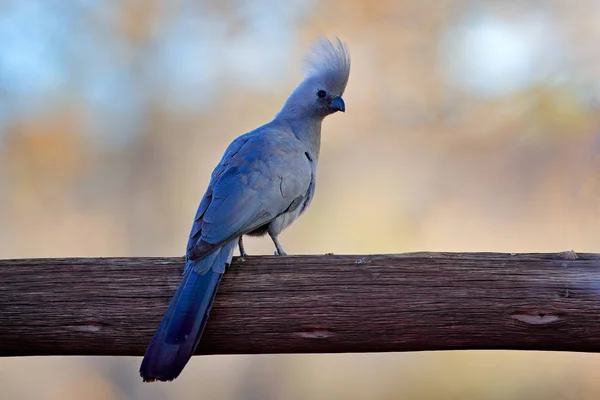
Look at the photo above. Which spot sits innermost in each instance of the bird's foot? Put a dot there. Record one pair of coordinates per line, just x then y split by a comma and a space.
278, 247
242, 248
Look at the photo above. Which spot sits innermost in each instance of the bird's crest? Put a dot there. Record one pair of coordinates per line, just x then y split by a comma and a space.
329, 59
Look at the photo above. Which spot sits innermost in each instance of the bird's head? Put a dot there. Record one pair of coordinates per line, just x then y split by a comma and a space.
327, 71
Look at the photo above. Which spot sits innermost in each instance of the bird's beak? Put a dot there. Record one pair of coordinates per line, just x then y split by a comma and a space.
337, 104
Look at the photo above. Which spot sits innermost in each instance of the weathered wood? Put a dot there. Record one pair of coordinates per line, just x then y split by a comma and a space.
309, 304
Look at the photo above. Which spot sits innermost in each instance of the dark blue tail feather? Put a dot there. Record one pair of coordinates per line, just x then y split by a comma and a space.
179, 332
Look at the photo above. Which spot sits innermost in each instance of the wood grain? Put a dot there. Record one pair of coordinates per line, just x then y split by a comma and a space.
309, 304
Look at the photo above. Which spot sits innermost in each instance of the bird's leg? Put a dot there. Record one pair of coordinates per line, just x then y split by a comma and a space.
280, 251
242, 249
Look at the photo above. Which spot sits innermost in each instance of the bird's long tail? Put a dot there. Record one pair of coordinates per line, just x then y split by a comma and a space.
179, 332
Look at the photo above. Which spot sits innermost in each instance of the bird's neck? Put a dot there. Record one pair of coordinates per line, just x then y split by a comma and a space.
307, 130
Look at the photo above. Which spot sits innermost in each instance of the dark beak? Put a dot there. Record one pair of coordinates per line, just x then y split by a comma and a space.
337, 104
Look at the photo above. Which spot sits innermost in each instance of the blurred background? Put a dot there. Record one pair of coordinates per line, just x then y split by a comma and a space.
470, 126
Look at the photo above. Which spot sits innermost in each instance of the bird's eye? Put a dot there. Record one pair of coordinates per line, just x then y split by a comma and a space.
321, 93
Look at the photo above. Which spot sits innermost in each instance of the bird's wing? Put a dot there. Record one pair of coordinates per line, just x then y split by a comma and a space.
221, 167
259, 177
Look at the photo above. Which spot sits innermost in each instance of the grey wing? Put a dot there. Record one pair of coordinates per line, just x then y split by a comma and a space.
230, 152
260, 182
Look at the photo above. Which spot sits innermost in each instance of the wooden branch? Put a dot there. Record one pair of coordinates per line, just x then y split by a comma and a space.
309, 304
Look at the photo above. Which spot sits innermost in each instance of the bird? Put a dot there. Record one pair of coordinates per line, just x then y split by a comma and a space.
264, 181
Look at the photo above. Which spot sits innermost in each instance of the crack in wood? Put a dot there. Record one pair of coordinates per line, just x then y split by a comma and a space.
539, 318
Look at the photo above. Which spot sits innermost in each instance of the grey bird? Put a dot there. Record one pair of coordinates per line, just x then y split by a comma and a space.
263, 183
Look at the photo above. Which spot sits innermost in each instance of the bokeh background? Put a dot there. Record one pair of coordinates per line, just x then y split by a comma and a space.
470, 126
